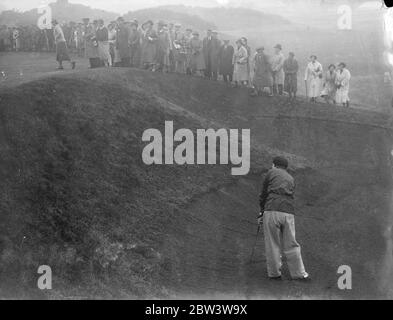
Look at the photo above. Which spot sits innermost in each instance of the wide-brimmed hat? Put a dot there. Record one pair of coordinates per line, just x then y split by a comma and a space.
195, 33
278, 46
261, 48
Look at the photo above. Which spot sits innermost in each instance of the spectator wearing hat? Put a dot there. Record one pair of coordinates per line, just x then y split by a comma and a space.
329, 85
179, 49
211, 49
149, 46
187, 39
313, 78
134, 42
262, 72
171, 33
206, 52
122, 43
277, 70
197, 64
61, 46
226, 57
91, 46
240, 61
278, 219
163, 47
115, 59
291, 69
102, 37
342, 83
249, 52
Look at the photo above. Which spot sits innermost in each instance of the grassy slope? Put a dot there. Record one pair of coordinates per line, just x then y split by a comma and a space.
73, 183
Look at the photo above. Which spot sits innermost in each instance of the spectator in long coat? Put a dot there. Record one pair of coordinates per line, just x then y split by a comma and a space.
91, 46
171, 33
122, 44
179, 49
277, 70
149, 46
206, 49
61, 46
102, 37
240, 61
313, 78
262, 72
187, 39
226, 59
197, 63
291, 69
342, 83
249, 52
329, 86
115, 57
163, 48
212, 56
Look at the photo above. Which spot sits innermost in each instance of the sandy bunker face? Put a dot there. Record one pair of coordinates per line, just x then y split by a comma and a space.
343, 215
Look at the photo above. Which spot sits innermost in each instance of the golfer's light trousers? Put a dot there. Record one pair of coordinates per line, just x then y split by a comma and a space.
277, 226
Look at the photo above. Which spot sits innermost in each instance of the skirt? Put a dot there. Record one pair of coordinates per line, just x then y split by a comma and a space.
290, 83
62, 52
241, 72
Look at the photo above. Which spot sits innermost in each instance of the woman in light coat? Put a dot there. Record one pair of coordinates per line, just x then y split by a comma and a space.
149, 46
342, 84
313, 79
262, 73
240, 62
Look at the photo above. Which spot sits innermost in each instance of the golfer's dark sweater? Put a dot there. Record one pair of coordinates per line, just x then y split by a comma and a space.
278, 192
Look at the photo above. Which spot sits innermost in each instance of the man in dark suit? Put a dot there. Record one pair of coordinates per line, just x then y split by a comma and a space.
226, 61
206, 53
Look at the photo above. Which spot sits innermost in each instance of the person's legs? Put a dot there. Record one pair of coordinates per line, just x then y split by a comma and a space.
272, 232
292, 250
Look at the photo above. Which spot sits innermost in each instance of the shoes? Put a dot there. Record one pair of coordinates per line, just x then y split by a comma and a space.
276, 278
304, 279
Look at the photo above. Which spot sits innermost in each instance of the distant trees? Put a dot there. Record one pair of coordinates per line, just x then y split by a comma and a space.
62, 11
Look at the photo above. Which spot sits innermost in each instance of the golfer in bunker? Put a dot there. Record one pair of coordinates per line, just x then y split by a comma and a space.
278, 219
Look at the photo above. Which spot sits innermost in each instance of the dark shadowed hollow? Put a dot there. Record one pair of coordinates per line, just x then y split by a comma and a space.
75, 194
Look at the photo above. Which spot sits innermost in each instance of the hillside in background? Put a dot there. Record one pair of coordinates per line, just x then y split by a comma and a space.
187, 19
63, 12
76, 195
229, 18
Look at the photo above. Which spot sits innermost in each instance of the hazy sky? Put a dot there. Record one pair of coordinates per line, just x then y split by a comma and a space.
122, 6
110, 5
